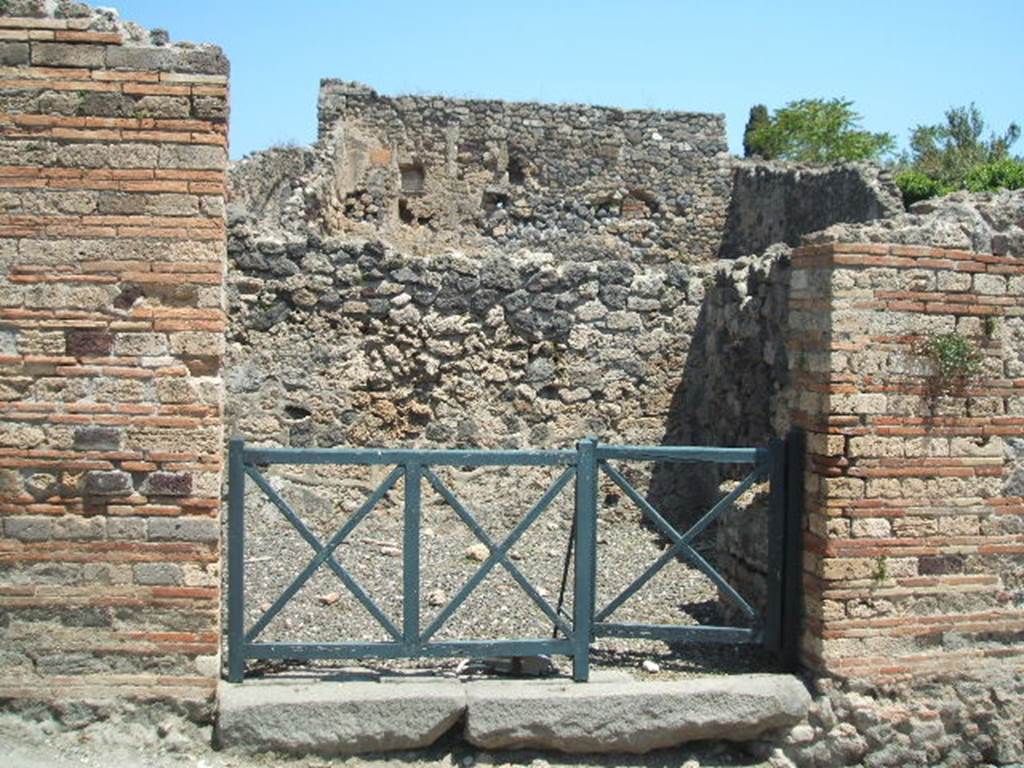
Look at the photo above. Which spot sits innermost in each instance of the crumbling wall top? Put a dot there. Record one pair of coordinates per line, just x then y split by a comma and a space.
475, 174
137, 48
986, 222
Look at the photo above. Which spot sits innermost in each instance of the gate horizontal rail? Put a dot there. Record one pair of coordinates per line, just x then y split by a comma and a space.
414, 467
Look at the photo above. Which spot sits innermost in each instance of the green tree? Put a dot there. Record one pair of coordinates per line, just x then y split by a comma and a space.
956, 155
758, 118
818, 132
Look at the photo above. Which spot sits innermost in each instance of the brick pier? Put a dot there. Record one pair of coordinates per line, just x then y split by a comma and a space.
915, 524
112, 162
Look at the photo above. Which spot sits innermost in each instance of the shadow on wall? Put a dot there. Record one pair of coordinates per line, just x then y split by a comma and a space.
732, 392
779, 203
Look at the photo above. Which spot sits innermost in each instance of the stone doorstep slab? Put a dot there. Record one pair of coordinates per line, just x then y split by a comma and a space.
328, 718
612, 713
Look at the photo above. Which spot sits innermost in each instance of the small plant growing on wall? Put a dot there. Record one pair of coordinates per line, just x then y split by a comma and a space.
989, 326
953, 359
881, 569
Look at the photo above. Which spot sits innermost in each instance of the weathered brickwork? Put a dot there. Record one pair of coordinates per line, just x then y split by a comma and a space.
112, 160
915, 515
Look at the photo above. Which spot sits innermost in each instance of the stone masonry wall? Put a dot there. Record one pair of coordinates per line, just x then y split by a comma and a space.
775, 202
352, 326
593, 181
510, 310
915, 516
112, 159
352, 342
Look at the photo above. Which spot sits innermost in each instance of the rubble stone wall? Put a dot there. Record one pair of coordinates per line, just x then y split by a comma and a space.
571, 179
352, 342
776, 202
112, 162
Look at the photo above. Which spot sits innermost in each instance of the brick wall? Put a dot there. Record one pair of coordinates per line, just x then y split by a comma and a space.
915, 524
112, 160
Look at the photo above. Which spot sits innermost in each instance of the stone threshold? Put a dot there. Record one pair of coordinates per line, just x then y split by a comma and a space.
611, 713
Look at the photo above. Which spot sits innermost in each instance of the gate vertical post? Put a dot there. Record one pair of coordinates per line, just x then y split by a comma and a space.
776, 554
793, 568
236, 560
585, 565
411, 558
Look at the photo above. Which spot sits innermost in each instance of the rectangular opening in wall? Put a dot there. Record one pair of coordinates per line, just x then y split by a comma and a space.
413, 178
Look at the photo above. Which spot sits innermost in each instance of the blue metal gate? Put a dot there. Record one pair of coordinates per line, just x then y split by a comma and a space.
775, 629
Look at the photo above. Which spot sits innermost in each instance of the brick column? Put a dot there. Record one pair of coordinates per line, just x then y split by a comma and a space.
915, 524
112, 161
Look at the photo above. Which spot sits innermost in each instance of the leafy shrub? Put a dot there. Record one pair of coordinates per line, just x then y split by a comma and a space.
920, 186
1007, 173
956, 155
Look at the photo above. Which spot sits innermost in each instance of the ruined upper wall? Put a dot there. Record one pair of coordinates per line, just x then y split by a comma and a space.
776, 202
72, 34
588, 180
986, 222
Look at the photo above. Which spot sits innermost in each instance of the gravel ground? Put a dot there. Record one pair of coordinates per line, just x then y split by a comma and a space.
324, 611
129, 743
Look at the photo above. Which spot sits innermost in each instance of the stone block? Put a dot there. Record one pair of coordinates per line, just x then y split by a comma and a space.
209, 108
126, 528
624, 716
94, 438
197, 343
140, 344
167, 484
164, 107
115, 483
990, 284
142, 58
10, 482
183, 529
89, 343
156, 574
21, 436
871, 527
954, 281
624, 321
13, 54
940, 565
336, 718
28, 528
80, 528
184, 156
68, 55
8, 342
205, 59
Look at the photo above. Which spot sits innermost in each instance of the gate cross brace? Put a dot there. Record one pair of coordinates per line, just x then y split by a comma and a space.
498, 552
326, 553
680, 542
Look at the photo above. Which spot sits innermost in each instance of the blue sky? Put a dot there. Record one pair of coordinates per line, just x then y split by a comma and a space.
902, 62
